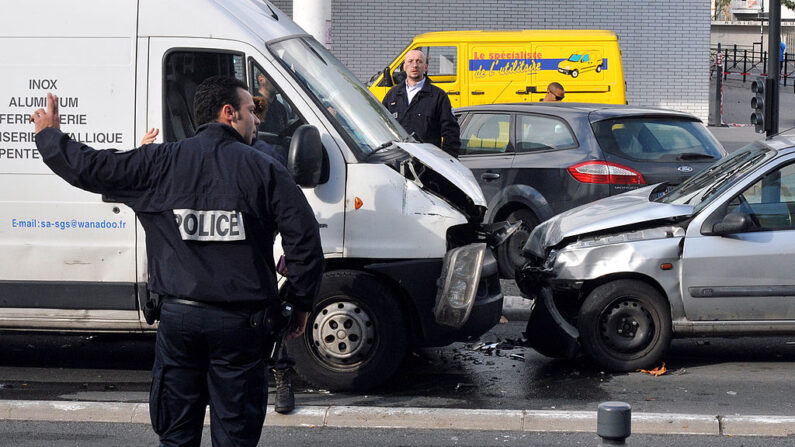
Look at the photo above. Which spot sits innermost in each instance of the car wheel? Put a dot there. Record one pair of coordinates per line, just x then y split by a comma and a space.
509, 254
355, 338
575, 73
625, 325
598, 68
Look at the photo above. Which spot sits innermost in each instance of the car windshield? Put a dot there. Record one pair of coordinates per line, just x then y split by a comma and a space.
356, 114
700, 189
575, 57
657, 139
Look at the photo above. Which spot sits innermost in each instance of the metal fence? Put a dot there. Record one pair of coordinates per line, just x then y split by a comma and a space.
740, 62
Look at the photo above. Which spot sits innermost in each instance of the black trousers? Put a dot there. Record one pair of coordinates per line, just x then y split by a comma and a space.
208, 355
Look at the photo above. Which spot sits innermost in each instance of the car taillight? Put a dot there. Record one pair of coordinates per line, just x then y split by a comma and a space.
606, 173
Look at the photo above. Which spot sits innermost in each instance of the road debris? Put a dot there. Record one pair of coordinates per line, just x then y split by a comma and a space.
658, 371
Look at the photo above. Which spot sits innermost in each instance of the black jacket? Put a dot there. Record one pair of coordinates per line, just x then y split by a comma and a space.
429, 116
210, 206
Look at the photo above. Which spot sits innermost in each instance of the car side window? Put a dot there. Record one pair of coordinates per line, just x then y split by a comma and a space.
770, 202
539, 133
184, 70
486, 133
278, 117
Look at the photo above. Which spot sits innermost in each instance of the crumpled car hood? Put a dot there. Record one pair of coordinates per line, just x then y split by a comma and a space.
627, 209
447, 166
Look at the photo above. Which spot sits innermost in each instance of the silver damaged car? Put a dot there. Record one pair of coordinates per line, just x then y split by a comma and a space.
618, 278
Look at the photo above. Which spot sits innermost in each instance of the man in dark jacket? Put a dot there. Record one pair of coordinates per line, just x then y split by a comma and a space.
210, 206
422, 108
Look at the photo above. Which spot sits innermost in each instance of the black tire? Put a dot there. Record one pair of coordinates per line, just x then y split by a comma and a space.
356, 335
625, 325
598, 68
509, 254
575, 73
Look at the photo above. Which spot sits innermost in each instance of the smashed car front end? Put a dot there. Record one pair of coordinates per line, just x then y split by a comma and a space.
567, 261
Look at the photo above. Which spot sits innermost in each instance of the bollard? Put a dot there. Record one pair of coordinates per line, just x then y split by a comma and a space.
613, 422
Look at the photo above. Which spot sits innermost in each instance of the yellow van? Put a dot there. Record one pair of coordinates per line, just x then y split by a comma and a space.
485, 67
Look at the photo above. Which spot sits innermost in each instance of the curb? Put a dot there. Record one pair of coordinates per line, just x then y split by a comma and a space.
420, 418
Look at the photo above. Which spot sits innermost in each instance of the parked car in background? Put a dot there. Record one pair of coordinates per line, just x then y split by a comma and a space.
533, 161
715, 256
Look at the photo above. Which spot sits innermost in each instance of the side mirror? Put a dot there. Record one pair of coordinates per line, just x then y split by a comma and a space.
386, 81
400, 76
305, 157
732, 223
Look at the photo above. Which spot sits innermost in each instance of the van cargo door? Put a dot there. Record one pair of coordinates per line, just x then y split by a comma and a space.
67, 258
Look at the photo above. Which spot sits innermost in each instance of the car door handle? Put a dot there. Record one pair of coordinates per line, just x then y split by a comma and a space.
489, 176
453, 93
478, 92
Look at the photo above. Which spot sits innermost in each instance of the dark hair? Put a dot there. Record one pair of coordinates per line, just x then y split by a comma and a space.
213, 94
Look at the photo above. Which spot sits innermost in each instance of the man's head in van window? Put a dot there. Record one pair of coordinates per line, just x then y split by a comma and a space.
265, 88
226, 100
555, 92
415, 66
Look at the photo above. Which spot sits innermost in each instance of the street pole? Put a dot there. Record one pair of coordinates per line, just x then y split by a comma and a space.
773, 64
314, 16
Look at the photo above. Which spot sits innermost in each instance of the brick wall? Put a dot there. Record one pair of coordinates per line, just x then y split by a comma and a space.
665, 43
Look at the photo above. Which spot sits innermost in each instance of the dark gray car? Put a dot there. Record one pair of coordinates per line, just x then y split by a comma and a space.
534, 161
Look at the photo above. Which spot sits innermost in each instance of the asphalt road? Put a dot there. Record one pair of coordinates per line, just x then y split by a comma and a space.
706, 376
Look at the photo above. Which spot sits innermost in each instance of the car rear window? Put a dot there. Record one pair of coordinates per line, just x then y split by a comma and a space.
656, 139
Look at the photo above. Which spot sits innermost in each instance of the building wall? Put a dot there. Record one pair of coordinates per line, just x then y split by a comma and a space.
746, 34
665, 43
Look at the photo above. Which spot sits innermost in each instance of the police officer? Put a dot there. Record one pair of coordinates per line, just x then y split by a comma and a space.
210, 205
423, 108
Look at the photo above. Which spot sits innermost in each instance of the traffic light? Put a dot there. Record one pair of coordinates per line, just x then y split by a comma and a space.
760, 117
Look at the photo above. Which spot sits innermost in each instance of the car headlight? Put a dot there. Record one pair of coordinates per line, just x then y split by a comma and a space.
459, 284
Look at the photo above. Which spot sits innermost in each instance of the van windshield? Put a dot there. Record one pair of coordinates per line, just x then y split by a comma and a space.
357, 115
574, 58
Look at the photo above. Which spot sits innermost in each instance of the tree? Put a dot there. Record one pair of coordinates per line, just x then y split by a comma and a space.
789, 4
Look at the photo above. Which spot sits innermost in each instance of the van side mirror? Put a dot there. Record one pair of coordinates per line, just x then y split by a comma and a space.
305, 159
400, 76
386, 80
732, 223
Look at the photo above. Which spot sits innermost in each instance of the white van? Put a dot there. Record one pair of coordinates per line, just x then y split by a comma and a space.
400, 221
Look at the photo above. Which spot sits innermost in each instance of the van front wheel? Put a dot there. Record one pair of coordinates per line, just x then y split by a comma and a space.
625, 325
355, 338
575, 73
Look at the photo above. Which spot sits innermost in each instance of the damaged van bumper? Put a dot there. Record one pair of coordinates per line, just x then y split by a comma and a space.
421, 280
